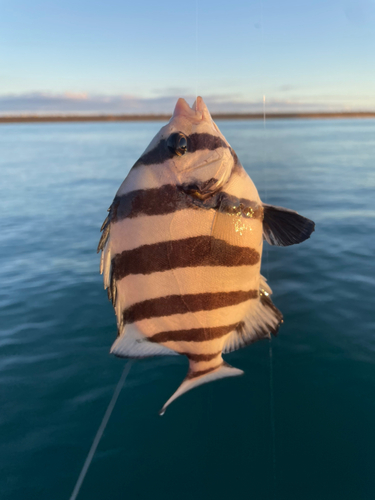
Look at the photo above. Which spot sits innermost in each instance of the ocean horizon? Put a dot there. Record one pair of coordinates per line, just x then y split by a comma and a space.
27, 117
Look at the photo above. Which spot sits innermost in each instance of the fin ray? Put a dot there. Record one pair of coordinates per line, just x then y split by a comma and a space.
224, 370
262, 319
133, 344
283, 227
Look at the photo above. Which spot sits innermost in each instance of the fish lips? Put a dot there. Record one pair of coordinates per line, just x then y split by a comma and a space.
201, 190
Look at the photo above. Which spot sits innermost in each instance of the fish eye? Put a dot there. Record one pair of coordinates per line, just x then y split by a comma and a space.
177, 143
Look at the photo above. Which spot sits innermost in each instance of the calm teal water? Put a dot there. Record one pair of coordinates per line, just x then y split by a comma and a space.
299, 427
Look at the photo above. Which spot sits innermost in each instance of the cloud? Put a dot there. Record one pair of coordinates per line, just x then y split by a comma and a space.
164, 91
76, 95
286, 88
81, 103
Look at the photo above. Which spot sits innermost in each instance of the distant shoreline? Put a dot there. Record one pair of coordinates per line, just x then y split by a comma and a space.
215, 116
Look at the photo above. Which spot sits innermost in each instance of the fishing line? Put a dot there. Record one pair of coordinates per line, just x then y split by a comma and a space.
101, 429
270, 351
196, 52
273, 423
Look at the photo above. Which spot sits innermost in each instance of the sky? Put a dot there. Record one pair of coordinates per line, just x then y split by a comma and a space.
117, 56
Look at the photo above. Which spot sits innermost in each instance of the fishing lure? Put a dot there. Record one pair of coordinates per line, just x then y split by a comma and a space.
181, 251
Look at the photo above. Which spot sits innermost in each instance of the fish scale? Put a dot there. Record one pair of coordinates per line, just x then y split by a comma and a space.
181, 251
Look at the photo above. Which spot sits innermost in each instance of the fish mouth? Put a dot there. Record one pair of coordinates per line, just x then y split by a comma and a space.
203, 191
204, 186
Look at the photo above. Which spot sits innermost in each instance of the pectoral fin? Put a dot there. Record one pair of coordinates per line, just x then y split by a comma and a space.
283, 227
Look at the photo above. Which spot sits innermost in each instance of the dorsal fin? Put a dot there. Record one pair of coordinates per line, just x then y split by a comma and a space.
283, 227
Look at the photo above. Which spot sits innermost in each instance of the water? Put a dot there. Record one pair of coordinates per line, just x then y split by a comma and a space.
311, 437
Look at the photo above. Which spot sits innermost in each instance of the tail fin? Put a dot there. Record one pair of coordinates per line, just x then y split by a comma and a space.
192, 381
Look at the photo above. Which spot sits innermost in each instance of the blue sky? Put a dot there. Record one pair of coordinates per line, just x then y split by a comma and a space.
138, 56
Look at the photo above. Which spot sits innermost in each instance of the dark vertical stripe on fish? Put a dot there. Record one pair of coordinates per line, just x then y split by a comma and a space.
169, 198
194, 334
157, 201
187, 252
160, 153
204, 141
193, 374
180, 304
200, 357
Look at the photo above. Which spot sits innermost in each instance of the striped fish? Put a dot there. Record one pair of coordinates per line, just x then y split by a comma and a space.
181, 251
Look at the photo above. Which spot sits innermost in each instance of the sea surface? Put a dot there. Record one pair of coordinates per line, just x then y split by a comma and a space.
300, 424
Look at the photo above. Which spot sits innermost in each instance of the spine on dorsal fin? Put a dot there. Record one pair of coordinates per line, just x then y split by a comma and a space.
262, 318
196, 378
283, 227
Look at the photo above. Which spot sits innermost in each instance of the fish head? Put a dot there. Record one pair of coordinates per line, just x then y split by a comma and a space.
197, 155
202, 157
